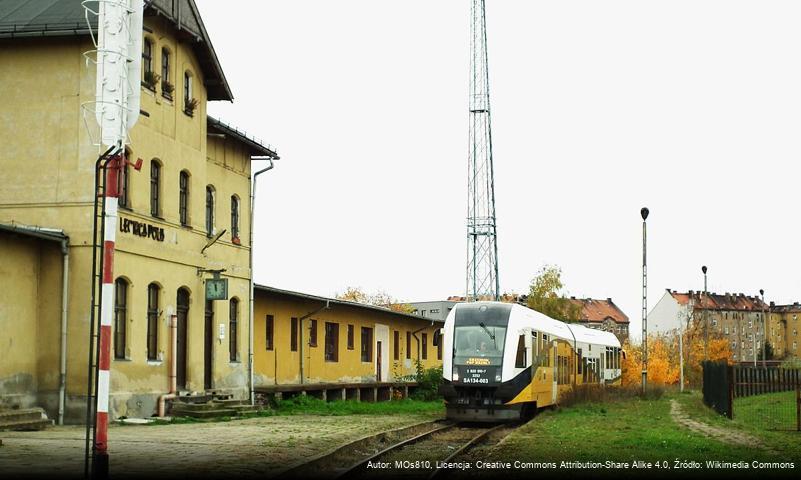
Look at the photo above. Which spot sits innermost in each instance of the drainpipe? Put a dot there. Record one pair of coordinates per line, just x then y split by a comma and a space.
62, 384
300, 330
414, 334
173, 365
252, 293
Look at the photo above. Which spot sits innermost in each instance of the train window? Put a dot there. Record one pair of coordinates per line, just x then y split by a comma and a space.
578, 358
520, 361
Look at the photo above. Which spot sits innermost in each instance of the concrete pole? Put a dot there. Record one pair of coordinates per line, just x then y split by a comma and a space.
764, 330
644, 213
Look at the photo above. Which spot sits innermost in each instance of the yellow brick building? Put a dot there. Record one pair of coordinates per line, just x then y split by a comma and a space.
194, 183
302, 339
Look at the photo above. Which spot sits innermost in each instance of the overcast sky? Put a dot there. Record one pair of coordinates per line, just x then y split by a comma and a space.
692, 108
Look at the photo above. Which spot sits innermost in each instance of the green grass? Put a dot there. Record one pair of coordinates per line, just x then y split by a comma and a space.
625, 430
306, 405
758, 415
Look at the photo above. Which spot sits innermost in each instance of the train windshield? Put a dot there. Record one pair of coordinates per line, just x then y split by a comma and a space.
478, 341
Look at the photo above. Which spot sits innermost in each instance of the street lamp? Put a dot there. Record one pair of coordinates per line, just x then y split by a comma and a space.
764, 330
706, 320
644, 214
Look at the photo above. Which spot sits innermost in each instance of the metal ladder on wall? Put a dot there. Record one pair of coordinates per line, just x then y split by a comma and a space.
98, 229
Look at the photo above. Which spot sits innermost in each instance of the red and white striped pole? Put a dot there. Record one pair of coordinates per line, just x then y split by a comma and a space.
106, 313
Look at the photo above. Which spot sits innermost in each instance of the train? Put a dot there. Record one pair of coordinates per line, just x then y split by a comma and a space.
502, 361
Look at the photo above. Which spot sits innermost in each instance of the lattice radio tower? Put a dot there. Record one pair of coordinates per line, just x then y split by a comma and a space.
482, 246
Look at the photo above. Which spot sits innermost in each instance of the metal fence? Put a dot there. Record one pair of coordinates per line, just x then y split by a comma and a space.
766, 397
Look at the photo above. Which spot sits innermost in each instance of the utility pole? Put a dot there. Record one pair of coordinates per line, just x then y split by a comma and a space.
482, 246
706, 318
644, 214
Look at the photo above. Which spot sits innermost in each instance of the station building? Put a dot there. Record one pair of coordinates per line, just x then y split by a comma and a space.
326, 346
185, 214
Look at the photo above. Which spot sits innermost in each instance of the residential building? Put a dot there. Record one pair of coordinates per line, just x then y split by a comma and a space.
603, 315
784, 328
734, 316
184, 215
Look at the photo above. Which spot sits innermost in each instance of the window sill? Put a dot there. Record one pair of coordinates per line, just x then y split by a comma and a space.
155, 363
126, 359
147, 88
186, 226
159, 217
189, 114
167, 97
125, 207
234, 362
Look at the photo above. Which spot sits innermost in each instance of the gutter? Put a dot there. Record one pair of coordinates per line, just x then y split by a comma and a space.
173, 366
414, 334
252, 293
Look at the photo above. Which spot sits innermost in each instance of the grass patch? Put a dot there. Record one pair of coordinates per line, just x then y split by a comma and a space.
307, 405
625, 430
758, 415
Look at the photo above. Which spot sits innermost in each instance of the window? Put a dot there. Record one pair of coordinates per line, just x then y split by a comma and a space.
520, 359
147, 57
331, 342
209, 210
152, 322
165, 73
367, 344
408, 345
183, 198
725, 330
396, 345
235, 218
350, 337
120, 314
269, 322
188, 92
155, 181
424, 345
232, 330
293, 335
312, 333
580, 362
124, 185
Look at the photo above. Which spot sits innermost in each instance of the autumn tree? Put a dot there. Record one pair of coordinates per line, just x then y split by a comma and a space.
379, 298
546, 296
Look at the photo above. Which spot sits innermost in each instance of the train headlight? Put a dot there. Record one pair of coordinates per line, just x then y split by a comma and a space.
497, 377
455, 377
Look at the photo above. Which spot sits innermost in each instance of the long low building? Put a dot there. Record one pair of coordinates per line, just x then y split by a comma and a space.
308, 342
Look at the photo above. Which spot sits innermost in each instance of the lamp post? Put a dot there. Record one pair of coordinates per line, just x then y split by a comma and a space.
644, 214
706, 319
764, 329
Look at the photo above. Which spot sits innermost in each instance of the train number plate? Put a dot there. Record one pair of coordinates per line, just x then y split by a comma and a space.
475, 375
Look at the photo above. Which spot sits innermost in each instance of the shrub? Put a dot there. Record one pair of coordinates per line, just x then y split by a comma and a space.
428, 382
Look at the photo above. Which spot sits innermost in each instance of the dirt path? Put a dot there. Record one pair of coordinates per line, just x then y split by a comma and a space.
725, 435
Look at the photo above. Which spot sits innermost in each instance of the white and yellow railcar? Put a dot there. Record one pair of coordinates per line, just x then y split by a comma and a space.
502, 361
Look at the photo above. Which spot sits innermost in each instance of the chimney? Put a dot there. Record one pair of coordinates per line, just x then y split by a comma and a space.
772, 304
609, 300
691, 293
572, 298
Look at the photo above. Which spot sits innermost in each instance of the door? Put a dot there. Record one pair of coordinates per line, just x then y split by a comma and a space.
382, 353
208, 344
378, 363
182, 313
555, 390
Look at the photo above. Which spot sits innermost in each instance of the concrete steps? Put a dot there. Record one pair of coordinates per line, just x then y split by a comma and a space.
24, 419
211, 406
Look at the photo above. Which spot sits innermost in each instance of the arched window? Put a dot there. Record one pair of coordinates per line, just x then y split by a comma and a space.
209, 210
183, 197
155, 186
120, 314
235, 219
152, 322
232, 329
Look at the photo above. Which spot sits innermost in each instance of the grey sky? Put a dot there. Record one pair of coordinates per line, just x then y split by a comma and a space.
692, 108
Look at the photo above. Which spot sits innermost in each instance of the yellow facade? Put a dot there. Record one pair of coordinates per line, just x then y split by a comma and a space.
47, 176
280, 365
784, 331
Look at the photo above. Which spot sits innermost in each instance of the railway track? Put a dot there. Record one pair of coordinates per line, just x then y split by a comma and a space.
428, 450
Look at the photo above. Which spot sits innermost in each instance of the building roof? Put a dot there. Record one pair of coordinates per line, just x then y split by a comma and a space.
347, 303
256, 146
597, 311
52, 234
25, 18
716, 301
791, 308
